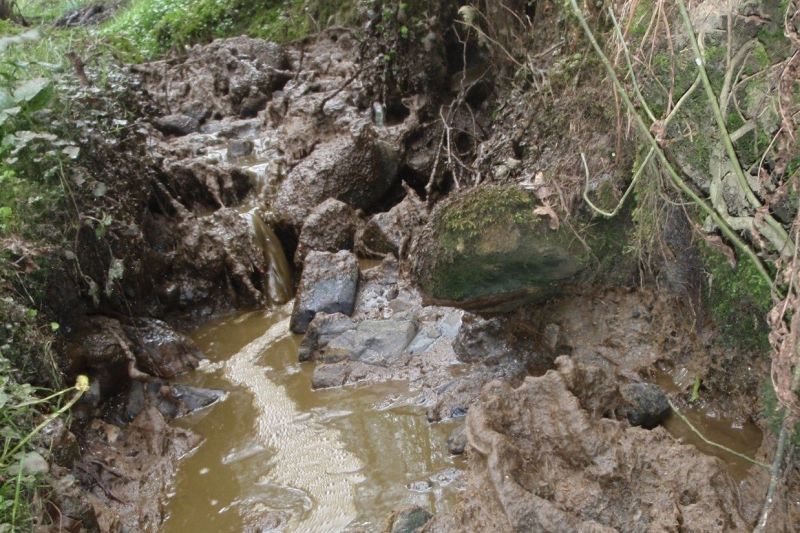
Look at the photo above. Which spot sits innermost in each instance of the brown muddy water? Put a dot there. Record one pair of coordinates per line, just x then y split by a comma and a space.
741, 436
279, 456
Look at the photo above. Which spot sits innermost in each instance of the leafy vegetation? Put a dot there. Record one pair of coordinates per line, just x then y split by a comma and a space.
149, 28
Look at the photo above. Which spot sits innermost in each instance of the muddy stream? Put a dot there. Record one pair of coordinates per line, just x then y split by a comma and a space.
278, 454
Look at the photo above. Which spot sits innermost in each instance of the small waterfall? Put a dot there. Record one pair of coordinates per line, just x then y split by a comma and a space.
279, 276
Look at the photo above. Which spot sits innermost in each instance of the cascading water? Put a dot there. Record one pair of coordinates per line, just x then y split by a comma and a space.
278, 287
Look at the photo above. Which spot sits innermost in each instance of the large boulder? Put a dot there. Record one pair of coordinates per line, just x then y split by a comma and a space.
329, 228
487, 247
328, 284
357, 170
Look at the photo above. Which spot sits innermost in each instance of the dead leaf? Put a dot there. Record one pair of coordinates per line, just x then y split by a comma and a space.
547, 210
716, 243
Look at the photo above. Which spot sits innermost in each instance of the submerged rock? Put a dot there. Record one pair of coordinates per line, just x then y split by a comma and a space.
486, 248
329, 228
358, 171
328, 284
457, 441
329, 375
408, 520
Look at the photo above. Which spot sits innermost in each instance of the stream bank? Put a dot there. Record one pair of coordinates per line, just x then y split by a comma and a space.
438, 312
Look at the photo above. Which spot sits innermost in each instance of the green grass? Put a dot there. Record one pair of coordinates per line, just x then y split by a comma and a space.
43, 11
150, 28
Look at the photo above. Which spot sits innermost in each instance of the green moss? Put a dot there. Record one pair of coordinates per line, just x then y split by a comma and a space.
473, 213
738, 299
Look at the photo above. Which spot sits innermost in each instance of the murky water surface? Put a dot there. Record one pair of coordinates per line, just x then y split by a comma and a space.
279, 455
742, 437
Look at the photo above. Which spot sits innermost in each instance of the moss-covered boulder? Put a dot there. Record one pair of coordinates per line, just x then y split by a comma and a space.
487, 248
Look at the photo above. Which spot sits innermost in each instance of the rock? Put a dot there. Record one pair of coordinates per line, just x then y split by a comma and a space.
328, 284
238, 148
386, 232
172, 401
457, 441
474, 236
161, 351
646, 404
176, 124
358, 171
408, 520
488, 341
329, 228
329, 375
375, 342
321, 330
31, 463
228, 77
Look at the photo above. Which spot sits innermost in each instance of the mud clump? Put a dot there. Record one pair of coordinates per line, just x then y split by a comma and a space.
540, 461
229, 77
130, 468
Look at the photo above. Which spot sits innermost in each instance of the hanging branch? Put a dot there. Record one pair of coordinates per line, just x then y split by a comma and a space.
679, 182
780, 239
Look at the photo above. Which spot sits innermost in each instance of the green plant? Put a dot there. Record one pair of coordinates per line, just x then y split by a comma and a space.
19, 409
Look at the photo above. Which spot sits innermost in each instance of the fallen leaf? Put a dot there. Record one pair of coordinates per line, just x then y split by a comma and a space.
546, 210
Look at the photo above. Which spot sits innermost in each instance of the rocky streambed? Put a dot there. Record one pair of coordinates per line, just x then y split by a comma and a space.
424, 355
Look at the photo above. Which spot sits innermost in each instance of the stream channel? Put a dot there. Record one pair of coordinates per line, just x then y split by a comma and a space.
280, 455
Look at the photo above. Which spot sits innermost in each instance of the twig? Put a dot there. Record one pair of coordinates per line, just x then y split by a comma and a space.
627, 55
636, 176
674, 176
775, 470
711, 442
784, 247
